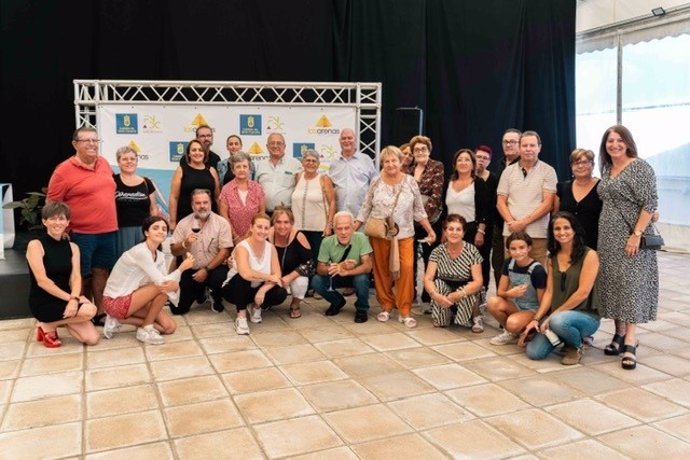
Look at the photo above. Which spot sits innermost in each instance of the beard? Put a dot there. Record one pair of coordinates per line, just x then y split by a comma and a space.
202, 215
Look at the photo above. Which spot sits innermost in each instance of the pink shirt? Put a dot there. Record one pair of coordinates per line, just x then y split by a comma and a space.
90, 194
241, 215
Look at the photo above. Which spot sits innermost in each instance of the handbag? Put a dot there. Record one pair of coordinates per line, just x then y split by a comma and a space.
382, 228
375, 227
652, 241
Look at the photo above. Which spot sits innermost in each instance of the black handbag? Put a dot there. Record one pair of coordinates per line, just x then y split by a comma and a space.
651, 240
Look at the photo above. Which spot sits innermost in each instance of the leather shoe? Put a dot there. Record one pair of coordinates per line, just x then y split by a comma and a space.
334, 309
361, 317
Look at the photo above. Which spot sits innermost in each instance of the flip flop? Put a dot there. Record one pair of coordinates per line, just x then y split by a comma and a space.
295, 313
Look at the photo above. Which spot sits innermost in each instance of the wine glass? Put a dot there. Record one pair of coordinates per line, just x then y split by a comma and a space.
196, 228
330, 282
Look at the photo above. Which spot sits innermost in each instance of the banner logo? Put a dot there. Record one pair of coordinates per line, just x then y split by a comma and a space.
151, 125
176, 150
134, 146
255, 149
126, 123
250, 125
323, 126
298, 148
197, 121
273, 123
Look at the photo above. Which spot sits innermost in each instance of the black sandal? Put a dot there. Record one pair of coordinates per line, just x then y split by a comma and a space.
629, 362
614, 348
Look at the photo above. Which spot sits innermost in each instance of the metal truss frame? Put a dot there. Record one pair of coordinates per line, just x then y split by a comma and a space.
364, 97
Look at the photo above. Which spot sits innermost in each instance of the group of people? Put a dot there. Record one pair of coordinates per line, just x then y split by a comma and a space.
563, 254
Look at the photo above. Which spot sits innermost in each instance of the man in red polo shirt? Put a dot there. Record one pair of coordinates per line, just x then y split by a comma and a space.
85, 182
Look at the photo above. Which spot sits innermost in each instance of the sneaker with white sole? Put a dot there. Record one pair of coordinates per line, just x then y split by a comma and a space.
111, 326
504, 338
217, 307
241, 326
477, 325
149, 335
256, 314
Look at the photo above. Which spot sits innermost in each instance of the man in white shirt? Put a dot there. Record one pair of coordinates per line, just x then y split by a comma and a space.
206, 235
351, 174
277, 174
526, 193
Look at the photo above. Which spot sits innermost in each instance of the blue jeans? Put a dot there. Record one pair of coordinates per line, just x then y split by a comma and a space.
570, 326
95, 250
360, 283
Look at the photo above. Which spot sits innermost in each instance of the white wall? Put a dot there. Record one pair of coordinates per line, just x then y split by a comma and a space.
597, 13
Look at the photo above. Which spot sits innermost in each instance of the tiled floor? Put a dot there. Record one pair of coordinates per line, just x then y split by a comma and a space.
325, 387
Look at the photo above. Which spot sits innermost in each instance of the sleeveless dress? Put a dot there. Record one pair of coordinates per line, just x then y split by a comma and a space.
193, 179
57, 260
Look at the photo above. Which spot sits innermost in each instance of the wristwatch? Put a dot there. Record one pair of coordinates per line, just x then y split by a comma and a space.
637, 233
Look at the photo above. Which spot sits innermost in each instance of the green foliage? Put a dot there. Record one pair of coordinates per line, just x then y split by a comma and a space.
30, 210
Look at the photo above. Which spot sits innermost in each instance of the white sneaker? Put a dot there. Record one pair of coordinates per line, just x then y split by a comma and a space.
256, 314
504, 338
111, 326
149, 335
241, 326
477, 325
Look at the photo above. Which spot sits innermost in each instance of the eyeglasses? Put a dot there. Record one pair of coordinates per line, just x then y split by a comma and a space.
420, 149
509, 142
90, 141
581, 163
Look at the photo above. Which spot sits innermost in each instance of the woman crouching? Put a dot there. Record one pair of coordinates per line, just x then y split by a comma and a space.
566, 313
139, 286
55, 295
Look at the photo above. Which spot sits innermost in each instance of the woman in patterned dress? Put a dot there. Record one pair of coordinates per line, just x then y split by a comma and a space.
453, 278
628, 283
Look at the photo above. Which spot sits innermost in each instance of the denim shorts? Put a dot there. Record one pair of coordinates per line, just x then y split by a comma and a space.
97, 250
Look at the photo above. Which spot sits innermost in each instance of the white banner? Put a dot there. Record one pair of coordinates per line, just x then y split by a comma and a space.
160, 133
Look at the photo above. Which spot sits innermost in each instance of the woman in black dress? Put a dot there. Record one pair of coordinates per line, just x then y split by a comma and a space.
190, 175
55, 294
579, 195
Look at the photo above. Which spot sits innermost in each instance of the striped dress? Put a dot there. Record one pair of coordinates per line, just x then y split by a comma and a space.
451, 274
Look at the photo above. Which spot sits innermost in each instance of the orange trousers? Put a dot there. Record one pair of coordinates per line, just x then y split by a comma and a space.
390, 293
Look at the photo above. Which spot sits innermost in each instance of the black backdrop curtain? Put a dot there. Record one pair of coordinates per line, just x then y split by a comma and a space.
475, 68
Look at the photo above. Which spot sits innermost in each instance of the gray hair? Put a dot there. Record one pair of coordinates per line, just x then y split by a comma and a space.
311, 153
239, 157
347, 214
198, 191
125, 149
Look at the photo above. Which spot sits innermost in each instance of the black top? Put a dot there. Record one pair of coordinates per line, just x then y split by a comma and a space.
295, 256
492, 214
193, 179
57, 260
133, 203
586, 210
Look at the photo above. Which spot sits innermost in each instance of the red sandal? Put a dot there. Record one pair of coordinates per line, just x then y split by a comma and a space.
49, 339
